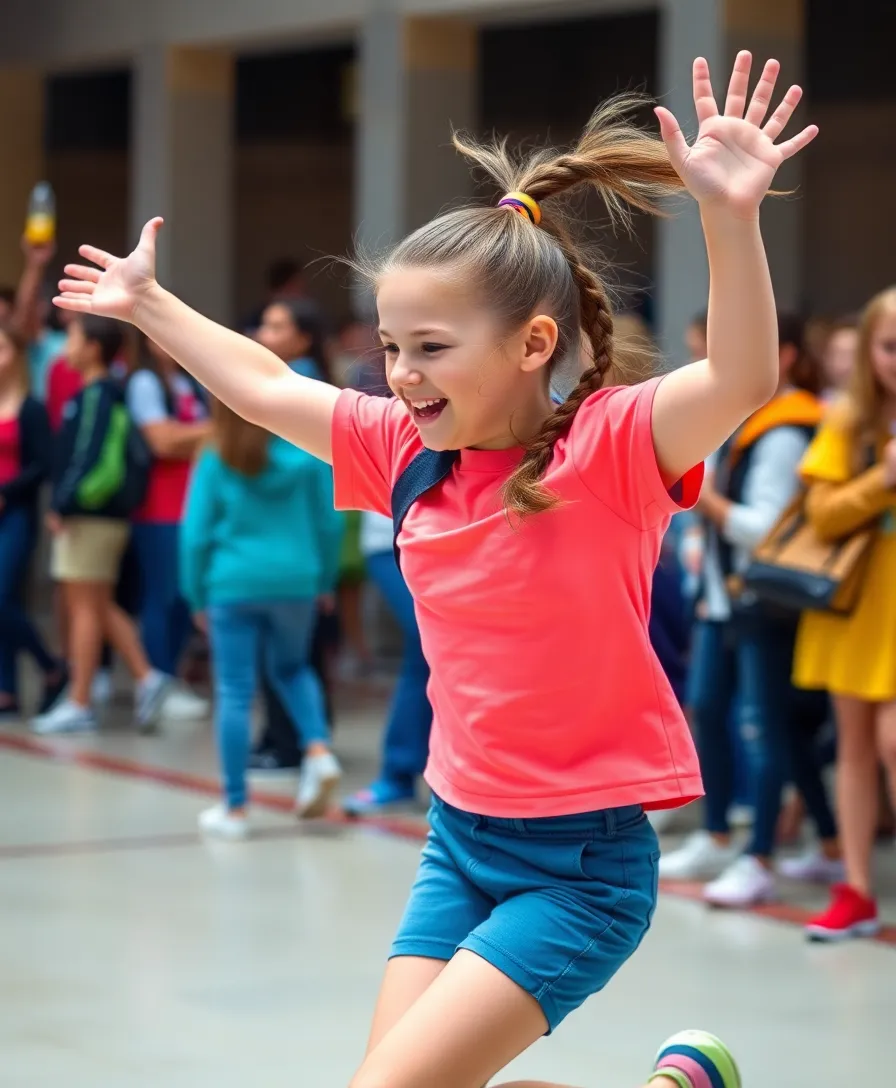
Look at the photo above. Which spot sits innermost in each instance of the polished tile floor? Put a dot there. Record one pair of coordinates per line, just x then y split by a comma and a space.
134, 954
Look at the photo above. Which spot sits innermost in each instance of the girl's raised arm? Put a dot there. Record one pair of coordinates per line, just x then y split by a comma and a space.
728, 170
237, 370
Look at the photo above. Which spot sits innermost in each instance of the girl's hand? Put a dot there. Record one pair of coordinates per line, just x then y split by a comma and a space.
200, 622
118, 285
733, 161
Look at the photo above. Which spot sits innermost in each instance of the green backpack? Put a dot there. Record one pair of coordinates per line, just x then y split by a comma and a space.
120, 475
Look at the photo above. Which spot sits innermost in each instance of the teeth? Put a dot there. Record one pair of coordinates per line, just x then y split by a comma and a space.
426, 403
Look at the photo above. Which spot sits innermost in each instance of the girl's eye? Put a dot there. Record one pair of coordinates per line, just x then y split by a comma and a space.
390, 349
431, 349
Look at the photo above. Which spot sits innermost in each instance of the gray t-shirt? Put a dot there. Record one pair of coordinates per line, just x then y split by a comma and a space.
146, 397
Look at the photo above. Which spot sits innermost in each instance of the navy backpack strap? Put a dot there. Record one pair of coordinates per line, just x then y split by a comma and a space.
426, 470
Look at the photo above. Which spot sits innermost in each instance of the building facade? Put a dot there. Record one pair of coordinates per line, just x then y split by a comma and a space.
273, 127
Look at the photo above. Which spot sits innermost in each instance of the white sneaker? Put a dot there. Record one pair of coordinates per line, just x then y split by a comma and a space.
183, 705
741, 815
149, 700
318, 780
813, 867
222, 823
699, 857
744, 883
65, 717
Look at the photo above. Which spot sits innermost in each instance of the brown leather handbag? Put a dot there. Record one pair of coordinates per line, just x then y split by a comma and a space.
793, 569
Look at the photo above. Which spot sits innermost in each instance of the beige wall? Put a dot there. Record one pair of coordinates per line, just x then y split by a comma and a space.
92, 193
22, 103
58, 31
850, 212
293, 201
297, 200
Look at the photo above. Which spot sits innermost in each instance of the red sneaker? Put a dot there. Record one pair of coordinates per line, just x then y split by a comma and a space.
850, 914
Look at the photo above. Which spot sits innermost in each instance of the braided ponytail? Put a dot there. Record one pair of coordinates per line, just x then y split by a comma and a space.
527, 264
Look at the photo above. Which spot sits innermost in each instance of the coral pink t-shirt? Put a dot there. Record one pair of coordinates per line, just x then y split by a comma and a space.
547, 696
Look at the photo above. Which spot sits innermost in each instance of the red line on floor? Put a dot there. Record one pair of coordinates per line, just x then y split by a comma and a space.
62, 752
401, 827
126, 843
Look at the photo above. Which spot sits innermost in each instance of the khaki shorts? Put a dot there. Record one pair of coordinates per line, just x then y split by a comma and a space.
89, 550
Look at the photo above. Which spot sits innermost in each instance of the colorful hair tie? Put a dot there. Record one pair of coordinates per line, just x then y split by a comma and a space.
522, 204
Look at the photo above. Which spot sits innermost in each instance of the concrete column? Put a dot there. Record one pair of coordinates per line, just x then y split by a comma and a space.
417, 80
776, 28
717, 29
688, 29
182, 169
22, 107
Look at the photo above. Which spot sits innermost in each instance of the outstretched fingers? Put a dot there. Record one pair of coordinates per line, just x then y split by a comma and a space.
83, 272
796, 143
149, 232
762, 95
704, 99
68, 300
76, 290
98, 256
673, 137
778, 120
739, 85
76, 287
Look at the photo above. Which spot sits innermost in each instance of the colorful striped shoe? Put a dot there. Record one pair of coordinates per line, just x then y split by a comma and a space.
696, 1059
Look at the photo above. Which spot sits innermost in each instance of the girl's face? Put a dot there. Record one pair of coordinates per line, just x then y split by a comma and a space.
280, 334
840, 357
466, 383
882, 347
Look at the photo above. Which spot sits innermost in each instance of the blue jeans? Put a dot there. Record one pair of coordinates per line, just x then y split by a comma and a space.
17, 632
282, 632
753, 658
406, 740
165, 621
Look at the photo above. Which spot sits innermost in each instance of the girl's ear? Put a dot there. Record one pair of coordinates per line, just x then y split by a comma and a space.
540, 343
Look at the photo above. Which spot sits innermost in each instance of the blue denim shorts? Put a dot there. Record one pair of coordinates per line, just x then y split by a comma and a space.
558, 904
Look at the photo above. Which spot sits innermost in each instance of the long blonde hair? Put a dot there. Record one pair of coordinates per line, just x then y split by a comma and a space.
518, 267
243, 446
867, 398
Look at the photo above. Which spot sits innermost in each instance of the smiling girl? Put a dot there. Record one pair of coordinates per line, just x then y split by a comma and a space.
530, 563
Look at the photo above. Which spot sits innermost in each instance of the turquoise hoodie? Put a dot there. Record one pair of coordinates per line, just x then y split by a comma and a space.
275, 536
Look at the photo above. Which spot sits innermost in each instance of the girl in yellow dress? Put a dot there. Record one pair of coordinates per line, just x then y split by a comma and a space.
854, 657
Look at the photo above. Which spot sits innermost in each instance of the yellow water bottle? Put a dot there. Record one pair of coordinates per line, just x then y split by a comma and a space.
40, 226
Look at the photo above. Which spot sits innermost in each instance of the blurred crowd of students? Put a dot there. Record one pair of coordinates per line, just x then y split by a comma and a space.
173, 521
777, 697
